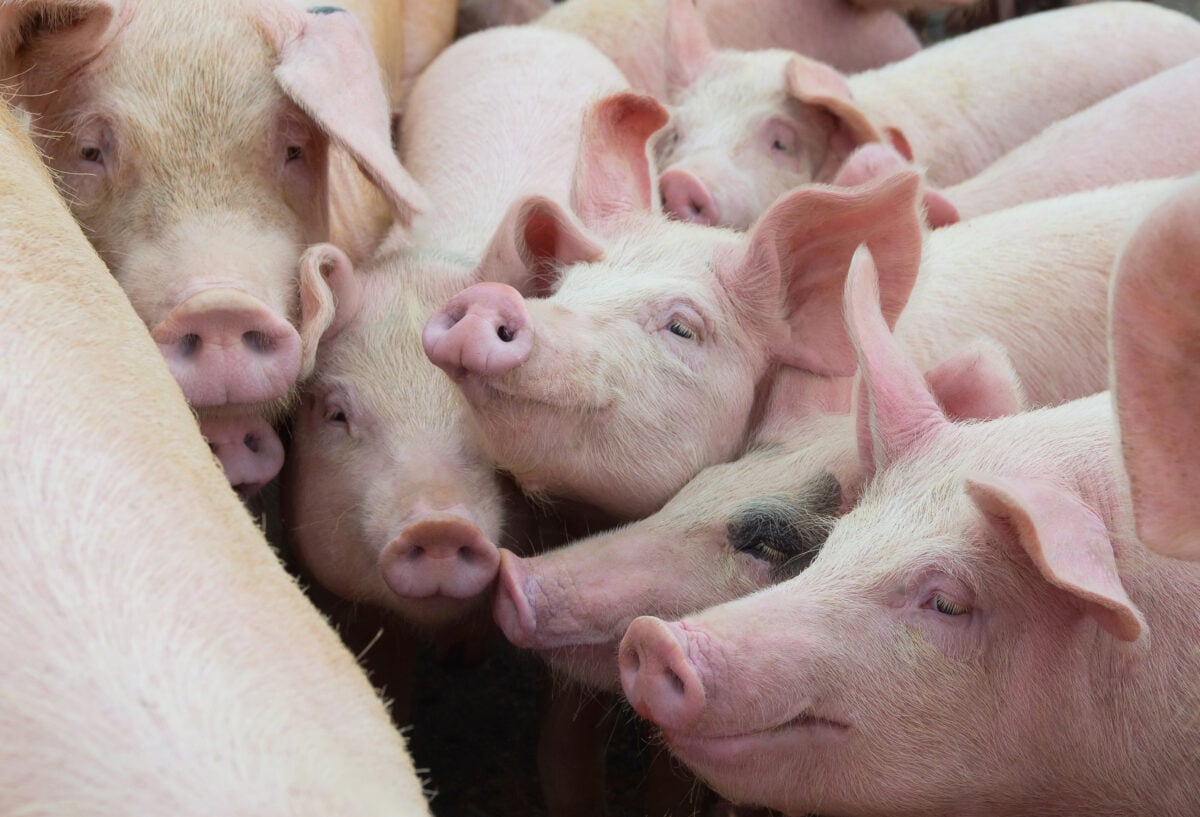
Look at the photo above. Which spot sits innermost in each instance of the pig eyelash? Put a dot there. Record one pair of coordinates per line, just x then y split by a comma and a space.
677, 328
948, 608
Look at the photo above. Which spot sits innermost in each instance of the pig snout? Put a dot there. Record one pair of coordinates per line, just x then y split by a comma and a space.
685, 198
249, 450
659, 679
512, 610
442, 554
226, 347
484, 330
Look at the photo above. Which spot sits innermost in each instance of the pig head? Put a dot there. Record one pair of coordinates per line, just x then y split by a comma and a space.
192, 142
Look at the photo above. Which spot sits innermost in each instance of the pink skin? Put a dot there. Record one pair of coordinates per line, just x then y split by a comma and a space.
750, 126
686, 198
985, 595
205, 240
1155, 302
1092, 148
248, 448
482, 330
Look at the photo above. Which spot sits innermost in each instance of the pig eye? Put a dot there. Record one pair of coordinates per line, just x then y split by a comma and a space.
782, 137
949, 608
294, 153
336, 416
91, 153
677, 328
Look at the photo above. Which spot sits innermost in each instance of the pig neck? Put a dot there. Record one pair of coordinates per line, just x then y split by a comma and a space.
796, 394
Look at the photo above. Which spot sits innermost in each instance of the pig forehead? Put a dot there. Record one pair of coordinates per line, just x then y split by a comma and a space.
741, 84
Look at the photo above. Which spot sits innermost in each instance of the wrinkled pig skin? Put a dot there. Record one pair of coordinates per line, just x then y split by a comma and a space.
615, 403
157, 659
983, 634
391, 500
631, 32
1155, 303
200, 180
750, 126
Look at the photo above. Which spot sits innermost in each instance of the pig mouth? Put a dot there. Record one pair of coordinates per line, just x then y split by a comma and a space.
481, 391
736, 748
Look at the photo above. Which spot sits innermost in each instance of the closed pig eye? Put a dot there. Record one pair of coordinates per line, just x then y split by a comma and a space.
682, 331
947, 607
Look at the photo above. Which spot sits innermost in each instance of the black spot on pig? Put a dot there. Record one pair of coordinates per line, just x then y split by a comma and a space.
787, 531
326, 10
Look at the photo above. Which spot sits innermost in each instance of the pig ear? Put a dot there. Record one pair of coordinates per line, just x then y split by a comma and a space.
821, 86
330, 297
1067, 543
876, 160
614, 175
977, 384
72, 31
799, 252
896, 409
536, 239
1156, 373
326, 66
688, 47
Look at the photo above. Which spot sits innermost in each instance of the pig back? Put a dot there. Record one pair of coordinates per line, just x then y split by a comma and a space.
157, 658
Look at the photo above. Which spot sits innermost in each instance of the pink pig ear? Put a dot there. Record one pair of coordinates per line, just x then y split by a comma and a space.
688, 48
799, 251
69, 33
327, 67
877, 160
614, 175
819, 85
1067, 543
330, 297
896, 409
979, 383
536, 239
1156, 366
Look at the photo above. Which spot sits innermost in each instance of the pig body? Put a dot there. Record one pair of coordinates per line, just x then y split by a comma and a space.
157, 660
1155, 298
751, 126
1093, 147
390, 499
632, 32
670, 309
983, 634
200, 178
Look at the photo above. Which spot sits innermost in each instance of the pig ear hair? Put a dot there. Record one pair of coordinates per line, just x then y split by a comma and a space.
614, 174
81, 29
535, 240
1155, 314
979, 383
1067, 543
799, 251
326, 66
821, 86
896, 409
330, 297
688, 48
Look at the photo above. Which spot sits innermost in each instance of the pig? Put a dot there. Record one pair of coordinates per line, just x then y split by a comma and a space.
192, 141
1093, 147
631, 32
735, 528
982, 634
157, 659
1155, 298
389, 497
749, 126
648, 357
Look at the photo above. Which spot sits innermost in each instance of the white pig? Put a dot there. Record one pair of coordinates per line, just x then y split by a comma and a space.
157, 659
191, 140
631, 32
982, 635
1155, 355
649, 360
750, 126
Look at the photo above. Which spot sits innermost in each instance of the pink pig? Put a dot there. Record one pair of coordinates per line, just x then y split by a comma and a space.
192, 140
983, 634
838, 32
1155, 302
157, 659
650, 354
749, 126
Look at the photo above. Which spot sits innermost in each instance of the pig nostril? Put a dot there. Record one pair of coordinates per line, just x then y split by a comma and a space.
505, 334
251, 442
256, 341
465, 554
189, 343
675, 681
416, 553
